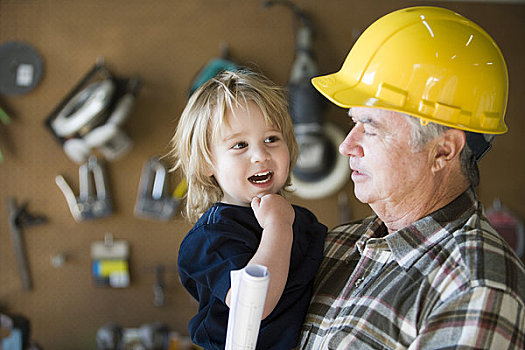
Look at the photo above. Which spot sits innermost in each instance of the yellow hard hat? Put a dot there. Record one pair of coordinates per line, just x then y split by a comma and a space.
428, 62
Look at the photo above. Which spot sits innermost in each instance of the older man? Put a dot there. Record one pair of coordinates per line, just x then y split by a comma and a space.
427, 90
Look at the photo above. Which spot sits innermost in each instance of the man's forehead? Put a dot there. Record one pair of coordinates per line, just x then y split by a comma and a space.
373, 114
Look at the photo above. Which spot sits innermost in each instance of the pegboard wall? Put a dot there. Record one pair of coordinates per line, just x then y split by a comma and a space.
166, 43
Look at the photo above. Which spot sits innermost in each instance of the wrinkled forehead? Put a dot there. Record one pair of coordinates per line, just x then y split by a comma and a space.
377, 114
388, 122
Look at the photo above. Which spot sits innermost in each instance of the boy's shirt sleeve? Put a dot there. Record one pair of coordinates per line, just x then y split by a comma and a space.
208, 254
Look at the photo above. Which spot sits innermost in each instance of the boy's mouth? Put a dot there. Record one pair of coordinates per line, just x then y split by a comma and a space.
261, 178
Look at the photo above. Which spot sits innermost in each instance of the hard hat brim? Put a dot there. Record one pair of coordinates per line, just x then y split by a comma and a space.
345, 94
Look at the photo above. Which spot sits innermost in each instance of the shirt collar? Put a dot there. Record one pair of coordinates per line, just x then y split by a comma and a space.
412, 242
373, 231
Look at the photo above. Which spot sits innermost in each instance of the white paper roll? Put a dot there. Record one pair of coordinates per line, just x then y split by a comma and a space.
248, 294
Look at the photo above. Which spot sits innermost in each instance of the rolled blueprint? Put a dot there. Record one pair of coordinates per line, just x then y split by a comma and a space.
248, 293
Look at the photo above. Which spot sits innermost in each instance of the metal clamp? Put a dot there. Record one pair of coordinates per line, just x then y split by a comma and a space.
153, 200
93, 201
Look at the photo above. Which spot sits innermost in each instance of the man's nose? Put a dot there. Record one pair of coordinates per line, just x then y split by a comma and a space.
350, 145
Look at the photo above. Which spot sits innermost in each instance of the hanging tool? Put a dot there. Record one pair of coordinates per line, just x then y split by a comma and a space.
153, 200
158, 288
320, 169
19, 217
21, 68
149, 336
92, 202
110, 262
214, 67
90, 117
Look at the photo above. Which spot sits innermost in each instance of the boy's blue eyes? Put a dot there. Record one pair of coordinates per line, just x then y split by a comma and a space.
241, 145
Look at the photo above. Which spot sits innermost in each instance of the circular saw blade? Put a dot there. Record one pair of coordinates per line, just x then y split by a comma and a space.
21, 68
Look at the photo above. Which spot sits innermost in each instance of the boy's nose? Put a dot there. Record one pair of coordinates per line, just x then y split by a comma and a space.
260, 154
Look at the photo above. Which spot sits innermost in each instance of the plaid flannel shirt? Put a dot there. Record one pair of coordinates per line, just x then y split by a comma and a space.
446, 281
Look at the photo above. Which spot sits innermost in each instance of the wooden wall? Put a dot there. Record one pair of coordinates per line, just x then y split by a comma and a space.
166, 43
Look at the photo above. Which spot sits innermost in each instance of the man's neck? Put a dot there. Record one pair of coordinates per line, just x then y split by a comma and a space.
404, 213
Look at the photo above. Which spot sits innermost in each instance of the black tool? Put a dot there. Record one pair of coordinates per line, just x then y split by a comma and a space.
319, 170
316, 158
19, 217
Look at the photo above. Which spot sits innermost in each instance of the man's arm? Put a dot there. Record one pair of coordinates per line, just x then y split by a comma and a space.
482, 318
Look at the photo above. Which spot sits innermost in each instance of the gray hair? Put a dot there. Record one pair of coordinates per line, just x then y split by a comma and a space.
421, 134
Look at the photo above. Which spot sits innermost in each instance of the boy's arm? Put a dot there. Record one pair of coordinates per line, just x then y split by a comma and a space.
276, 216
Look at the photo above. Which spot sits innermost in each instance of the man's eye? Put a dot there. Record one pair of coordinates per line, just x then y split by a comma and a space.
367, 130
240, 145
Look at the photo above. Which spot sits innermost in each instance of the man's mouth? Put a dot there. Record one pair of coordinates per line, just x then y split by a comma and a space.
261, 178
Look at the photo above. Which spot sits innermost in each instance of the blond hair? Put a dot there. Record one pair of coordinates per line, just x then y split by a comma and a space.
200, 121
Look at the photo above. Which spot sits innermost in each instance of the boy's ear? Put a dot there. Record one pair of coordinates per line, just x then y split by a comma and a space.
447, 148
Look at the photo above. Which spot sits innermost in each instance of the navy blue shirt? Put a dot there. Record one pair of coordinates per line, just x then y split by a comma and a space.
224, 239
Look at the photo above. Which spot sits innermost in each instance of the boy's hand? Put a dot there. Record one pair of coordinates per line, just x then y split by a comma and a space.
273, 209
275, 215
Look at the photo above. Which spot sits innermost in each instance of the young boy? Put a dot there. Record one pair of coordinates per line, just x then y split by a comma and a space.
236, 147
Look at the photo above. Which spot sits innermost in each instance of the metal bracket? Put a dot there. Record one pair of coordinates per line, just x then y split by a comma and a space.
153, 200
92, 202
158, 288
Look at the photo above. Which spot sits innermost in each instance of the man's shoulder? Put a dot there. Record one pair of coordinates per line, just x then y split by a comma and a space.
487, 258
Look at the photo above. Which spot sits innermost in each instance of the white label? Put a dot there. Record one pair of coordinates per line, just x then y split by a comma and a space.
24, 75
119, 279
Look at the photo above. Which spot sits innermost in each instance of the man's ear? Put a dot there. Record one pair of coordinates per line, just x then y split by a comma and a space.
447, 147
